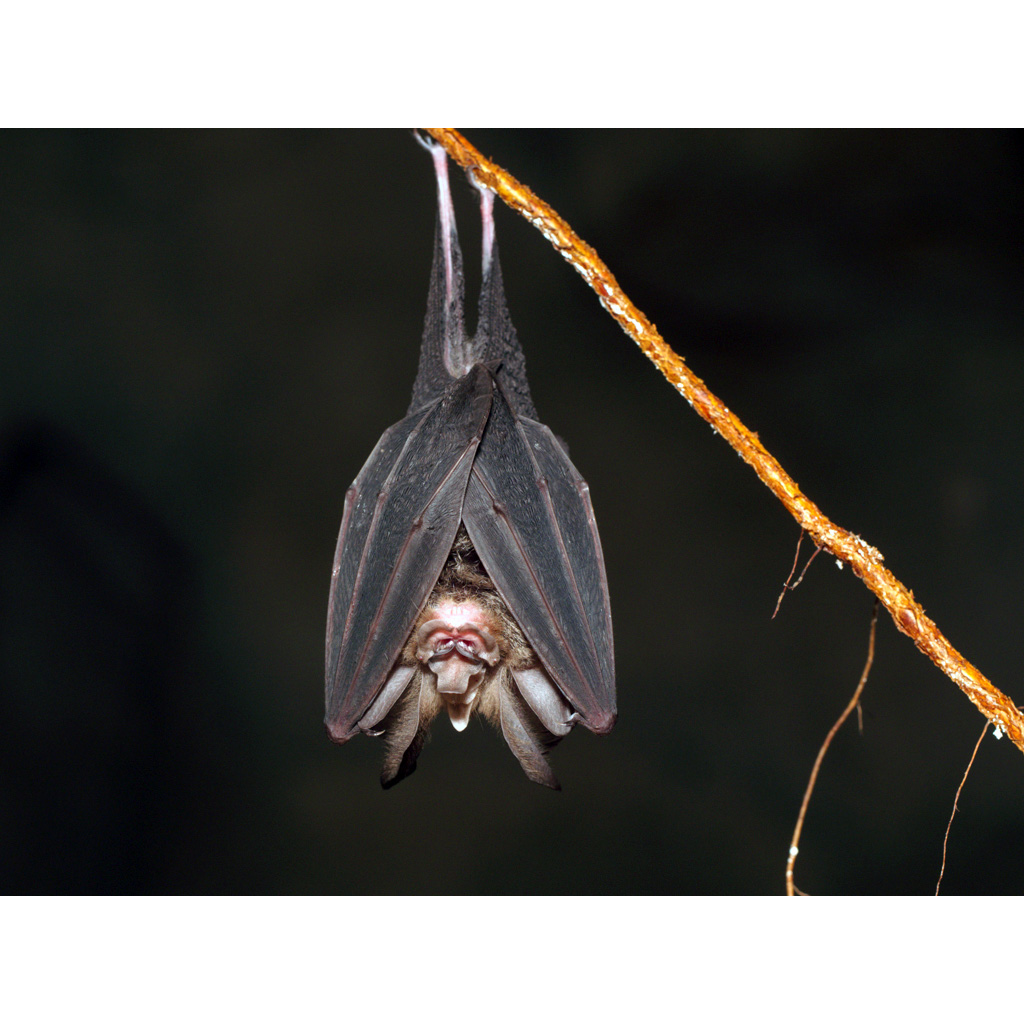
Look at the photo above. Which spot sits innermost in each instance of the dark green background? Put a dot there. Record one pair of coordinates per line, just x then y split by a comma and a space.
203, 336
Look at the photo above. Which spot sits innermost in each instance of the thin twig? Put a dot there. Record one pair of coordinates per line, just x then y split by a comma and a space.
794, 845
785, 586
848, 548
956, 801
800, 578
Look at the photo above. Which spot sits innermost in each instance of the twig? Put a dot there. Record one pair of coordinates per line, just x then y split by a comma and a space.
794, 845
956, 801
848, 548
785, 586
800, 578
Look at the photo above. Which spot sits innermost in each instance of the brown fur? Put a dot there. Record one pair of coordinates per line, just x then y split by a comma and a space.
464, 578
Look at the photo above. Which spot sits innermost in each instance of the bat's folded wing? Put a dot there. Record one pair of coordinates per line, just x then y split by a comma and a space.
400, 520
529, 516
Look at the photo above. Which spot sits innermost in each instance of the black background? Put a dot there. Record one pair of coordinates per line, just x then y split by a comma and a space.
205, 333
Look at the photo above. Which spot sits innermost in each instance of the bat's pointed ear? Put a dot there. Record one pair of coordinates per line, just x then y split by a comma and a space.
445, 352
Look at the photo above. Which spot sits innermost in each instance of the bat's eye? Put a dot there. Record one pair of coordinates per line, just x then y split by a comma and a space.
468, 633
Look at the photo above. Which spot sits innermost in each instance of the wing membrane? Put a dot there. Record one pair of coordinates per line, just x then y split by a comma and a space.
400, 520
529, 516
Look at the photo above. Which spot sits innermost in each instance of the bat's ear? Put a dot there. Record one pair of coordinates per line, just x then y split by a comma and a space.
495, 339
445, 352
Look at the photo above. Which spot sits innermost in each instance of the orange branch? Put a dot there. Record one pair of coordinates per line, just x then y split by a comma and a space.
864, 560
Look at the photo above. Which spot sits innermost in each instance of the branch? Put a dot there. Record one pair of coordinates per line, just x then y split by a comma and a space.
864, 560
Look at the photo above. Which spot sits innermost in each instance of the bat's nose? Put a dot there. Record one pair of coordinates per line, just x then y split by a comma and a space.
458, 682
456, 675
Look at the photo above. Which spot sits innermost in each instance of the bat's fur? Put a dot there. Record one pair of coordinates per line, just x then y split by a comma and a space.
464, 578
499, 701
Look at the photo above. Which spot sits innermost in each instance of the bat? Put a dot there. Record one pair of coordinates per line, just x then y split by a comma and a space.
468, 575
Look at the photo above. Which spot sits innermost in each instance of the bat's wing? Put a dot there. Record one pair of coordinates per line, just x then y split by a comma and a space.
524, 739
529, 516
400, 520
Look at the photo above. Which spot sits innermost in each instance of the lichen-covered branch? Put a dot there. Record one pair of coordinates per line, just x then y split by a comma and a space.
863, 559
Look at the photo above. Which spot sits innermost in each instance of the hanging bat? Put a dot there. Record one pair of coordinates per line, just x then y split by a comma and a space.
468, 574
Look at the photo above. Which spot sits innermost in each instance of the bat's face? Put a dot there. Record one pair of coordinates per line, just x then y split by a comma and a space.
467, 644
465, 637
468, 575
457, 644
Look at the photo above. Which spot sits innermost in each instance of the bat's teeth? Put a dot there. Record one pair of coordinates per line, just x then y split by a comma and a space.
459, 714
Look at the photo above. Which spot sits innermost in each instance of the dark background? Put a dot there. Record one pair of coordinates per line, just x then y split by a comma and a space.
205, 333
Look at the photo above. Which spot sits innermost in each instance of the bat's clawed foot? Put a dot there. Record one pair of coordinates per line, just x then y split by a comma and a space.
428, 142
